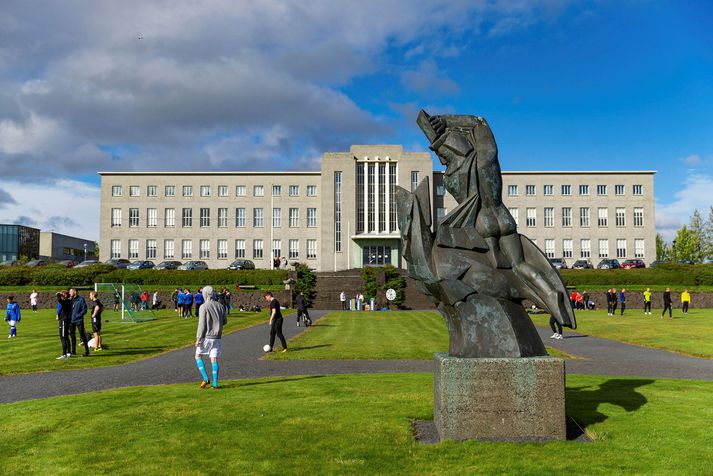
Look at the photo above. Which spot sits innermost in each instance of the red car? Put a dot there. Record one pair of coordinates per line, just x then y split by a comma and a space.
633, 263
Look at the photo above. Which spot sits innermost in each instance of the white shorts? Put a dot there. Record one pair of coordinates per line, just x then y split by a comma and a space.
209, 347
12, 323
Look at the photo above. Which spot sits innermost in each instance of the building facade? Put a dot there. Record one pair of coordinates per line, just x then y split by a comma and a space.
18, 241
344, 215
63, 247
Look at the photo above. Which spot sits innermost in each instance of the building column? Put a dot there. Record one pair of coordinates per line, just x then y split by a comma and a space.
376, 196
366, 197
387, 204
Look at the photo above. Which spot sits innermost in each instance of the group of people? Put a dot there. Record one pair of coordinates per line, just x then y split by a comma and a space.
71, 310
581, 301
139, 301
279, 263
613, 300
184, 300
358, 301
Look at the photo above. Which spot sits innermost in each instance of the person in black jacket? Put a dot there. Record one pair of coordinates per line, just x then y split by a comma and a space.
79, 309
64, 316
667, 304
302, 313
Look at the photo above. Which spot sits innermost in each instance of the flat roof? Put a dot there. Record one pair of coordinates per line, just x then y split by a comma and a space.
317, 172
217, 172
571, 172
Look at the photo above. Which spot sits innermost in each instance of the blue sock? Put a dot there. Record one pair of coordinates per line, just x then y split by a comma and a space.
214, 365
13, 331
201, 368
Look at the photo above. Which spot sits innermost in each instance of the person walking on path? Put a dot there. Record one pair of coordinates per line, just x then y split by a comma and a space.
33, 300
343, 300
647, 301
275, 321
12, 315
64, 317
667, 304
302, 313
211, 319
97, 307
79, 309
622, 300
685, 300
556, 328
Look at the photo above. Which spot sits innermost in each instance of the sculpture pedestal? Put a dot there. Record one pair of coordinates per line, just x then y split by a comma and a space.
508, 399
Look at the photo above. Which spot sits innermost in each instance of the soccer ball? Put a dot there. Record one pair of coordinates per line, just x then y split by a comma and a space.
266, 348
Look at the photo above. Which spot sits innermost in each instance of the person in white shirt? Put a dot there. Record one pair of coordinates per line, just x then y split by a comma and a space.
33, 300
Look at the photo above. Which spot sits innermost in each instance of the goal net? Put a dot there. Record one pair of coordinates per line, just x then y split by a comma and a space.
126, 298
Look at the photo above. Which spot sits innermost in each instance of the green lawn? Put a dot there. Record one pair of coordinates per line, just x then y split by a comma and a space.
37, 343
346, 425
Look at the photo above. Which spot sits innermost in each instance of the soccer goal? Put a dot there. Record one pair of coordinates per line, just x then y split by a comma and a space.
126, 296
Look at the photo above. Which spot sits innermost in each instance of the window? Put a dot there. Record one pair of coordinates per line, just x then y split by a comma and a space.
187, 190
240, 217
204, 246
638, 248
618, 189
566, 190
440, 214
548, 190
311, 217
257, 249
115, 249
223, 192
223, 220
222, 249
186, 249
620, 217
258, 191
205, 190
529, 190
276, 248
638, 217
603, 248
240, 190
205, 217
294, 217
258, 217
392, 200
276, 217
294, 190
134, 191
276, 190
550, 248
601, 189
168, 249
116, 191
584, 189
376, 255
414, 179
567, 248
151, 217
566, 216
515, 215
169, 190
371, 197
115, 217
603, 217
150, 249
187, 217
294, 249
151, 191
531, 217
311, 190
240, 248
359, 197
585, 250
584, 217
311, 249
638, 190
512, 190
133, 249
338, 211
133, 217
169, 220
620, 248
440, 190
549, 217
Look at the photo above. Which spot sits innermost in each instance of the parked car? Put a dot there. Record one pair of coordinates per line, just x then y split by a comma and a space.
118, 263
37, 262
84, 264
191, 265
141, 264
653, 264
558, 263
633, 263
67, 263
582, 264
609, 263
242, 264
10, 263
168, 265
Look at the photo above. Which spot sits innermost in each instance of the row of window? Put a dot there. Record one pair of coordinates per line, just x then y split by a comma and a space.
204, 249
204, 217
585, 248
584, 216
205, 190
566, 190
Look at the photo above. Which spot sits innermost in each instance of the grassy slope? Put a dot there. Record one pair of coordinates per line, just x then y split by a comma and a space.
346, 425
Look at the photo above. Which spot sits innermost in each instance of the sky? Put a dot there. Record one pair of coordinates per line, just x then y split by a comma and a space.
89, 86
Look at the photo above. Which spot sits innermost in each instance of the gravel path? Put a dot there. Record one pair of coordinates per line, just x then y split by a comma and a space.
243, 349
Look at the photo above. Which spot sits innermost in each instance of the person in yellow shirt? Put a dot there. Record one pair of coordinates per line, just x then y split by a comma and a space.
647, 301
685, 300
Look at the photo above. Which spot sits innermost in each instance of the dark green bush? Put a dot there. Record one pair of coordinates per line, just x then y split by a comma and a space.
663, 275
393, 279
306, 281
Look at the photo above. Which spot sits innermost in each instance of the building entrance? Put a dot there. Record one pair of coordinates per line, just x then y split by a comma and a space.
376, 255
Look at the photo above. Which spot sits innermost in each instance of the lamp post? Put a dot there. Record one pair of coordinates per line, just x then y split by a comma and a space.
674, 251
85, 251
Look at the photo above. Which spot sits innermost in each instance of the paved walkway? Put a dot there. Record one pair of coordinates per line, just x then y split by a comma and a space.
243, 349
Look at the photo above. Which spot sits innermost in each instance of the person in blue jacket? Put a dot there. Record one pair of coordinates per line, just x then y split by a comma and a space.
188, 303
199, 300
180, 301
12, 315
76, 323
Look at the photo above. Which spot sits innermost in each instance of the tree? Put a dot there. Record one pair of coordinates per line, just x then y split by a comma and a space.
707, 236
662, 249
698, 227
687, 245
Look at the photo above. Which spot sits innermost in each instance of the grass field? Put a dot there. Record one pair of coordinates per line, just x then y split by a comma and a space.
346, 425
38, 344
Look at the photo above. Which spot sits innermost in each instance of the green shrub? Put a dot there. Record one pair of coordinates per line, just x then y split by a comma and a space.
393, 279
306, 281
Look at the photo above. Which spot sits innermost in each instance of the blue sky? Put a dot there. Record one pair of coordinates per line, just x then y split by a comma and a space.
153, 85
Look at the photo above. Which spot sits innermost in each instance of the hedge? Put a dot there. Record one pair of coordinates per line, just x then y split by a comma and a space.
664, 275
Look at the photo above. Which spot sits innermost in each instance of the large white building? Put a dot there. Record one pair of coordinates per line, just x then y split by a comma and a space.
344, 216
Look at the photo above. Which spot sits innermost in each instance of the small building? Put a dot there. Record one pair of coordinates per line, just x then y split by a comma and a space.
18, 241
63, 247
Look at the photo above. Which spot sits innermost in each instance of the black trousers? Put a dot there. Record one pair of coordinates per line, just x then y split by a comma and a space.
276, 330
667, 306
613, 307
555, 325
73, 328
685, 306
623, 308
64, 335
647, 306
303, 314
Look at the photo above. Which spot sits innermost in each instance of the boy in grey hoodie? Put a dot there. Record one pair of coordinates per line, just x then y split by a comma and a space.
211, 319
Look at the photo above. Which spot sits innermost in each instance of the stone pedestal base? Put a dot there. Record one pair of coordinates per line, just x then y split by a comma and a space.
513, 399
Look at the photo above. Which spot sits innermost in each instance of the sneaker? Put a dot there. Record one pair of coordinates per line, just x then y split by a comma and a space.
204, 384
283, 350
68, 356
98, 349
61, 357
298, 324
559, 336
10, 336
553, 336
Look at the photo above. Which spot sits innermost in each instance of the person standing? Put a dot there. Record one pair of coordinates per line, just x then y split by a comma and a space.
79, 309
275, 321
613, 301
226, 297
187, 303
343, 300
609, 304
667, 303
585, 299
198, 298
64, 316
12, 315
556, 328
174, 299
211, 319
33, 300
154, 300
117, 300
180, 297
622, 300
647, 301
96, 307
685, 300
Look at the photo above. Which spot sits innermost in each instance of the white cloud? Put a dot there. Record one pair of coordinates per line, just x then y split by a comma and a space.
697, 193
693, 160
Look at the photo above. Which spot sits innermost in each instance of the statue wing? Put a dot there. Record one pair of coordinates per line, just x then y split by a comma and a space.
414, 213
